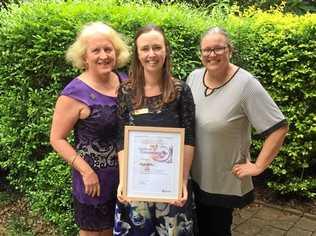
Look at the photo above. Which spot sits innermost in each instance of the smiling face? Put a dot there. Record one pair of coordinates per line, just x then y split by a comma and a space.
215, 52
100, 56
151, 50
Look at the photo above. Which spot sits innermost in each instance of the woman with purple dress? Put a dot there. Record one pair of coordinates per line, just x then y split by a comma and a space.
88, 106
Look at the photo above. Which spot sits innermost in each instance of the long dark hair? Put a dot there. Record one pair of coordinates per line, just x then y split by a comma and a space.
136, 72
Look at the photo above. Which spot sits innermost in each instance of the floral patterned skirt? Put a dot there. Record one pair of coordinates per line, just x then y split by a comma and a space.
151, 219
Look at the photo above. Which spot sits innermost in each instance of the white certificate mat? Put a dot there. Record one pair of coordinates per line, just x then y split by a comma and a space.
153, 163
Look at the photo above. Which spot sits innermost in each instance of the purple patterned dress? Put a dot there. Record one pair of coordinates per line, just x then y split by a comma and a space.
95, 140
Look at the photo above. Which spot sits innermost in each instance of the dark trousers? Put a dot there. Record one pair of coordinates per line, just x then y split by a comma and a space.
214, 221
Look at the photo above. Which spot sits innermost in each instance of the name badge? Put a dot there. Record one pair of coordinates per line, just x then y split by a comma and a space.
141, 111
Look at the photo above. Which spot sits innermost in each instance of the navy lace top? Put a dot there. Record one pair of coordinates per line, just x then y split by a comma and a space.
179, 113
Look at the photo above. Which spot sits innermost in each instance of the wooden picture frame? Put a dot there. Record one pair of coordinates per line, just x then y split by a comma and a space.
153, 163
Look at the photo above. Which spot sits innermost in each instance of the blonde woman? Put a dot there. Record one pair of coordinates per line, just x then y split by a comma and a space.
88, 106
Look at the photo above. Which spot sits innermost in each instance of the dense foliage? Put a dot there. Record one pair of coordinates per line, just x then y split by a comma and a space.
277, 48
294, 6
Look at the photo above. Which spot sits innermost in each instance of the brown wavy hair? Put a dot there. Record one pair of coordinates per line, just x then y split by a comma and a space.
136, 72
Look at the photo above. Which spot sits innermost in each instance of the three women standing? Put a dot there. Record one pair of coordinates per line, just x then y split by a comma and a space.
229, 101
88, 106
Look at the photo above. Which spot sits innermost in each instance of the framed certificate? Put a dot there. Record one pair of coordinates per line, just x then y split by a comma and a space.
153, 163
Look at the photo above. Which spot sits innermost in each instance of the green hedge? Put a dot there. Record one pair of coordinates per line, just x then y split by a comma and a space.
282, 56
278, 49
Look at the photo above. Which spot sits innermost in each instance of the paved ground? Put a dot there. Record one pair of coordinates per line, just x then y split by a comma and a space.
263, 219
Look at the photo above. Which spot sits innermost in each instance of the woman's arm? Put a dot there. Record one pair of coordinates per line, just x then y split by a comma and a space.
270, 149
187, 114
120, 186
188, 158
123, 119
264, 115
187, 162
66, 114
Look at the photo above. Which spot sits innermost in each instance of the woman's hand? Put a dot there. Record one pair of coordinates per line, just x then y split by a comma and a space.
91, 184
119, 194
184, 197
246, 169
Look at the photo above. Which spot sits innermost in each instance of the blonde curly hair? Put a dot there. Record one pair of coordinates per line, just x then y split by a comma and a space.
77, 50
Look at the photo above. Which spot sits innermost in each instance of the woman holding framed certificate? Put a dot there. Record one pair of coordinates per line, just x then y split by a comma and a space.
153, 98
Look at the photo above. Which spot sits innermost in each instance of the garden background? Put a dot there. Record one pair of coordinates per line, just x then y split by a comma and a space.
275, 42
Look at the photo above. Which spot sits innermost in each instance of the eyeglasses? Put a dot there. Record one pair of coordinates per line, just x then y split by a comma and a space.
217, 51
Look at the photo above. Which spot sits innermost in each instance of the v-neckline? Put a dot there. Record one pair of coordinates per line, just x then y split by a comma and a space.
206, 88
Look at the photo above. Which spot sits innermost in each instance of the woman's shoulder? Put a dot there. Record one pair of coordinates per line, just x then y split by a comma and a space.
247, 83
198, 73
122, 75
180, 86
73, 85
78, 90
244, 74
179, 83
125, 87
196, 76
246, 79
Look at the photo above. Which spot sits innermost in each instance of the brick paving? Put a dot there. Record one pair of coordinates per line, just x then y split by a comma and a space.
263, 219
